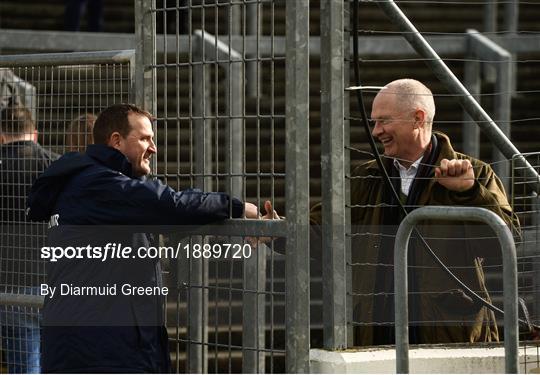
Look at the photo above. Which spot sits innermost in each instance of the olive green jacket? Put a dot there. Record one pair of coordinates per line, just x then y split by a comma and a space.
440, 311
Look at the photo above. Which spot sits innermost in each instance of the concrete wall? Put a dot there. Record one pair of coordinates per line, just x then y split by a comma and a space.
425, 360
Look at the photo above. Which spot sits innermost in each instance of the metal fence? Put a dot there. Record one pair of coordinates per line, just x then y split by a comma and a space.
497, 61
225, 104
229, 84
61, 91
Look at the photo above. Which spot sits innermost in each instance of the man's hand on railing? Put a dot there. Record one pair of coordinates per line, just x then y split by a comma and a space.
271, 214
251, 211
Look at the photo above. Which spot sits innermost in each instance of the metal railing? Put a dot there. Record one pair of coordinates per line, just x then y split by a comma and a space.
216, 67
509, 278
66, 87
213, 122
335, 152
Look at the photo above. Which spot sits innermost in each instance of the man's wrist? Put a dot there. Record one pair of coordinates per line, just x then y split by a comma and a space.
475, 186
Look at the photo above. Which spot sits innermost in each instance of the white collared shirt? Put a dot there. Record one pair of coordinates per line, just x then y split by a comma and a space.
407, 175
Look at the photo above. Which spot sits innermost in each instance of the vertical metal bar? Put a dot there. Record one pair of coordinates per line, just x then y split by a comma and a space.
272, 170
235, 18
454, 86
198, 296
490, 16
536, 266
254, 280
509, 277
254, 317
234, 85
511, 16
132, 81
254, 25
296, 192
511, 20
503, 103
333, 175
471, 133
347, 166
202, 124
145, 55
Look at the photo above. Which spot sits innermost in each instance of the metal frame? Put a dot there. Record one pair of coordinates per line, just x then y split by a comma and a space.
297, 145
57, 59
480, 47
265, 45
297, 196
509, 277
333, 175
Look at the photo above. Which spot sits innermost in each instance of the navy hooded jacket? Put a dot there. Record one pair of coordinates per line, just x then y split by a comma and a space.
97, 190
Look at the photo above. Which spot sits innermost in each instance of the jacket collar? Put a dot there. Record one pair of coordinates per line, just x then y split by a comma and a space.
446, 151
110, 157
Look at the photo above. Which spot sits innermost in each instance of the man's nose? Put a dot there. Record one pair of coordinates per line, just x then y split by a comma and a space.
152, 149
377, 130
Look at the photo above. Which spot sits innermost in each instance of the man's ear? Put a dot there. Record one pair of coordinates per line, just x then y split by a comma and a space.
115, 140
35, 136
419, 118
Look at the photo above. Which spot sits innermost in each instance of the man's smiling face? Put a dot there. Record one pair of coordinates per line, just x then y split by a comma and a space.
395, 127
138, 146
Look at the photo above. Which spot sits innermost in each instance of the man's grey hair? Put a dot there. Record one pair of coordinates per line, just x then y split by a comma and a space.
412, 95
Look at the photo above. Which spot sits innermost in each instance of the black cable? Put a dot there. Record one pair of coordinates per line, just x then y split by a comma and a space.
386, 178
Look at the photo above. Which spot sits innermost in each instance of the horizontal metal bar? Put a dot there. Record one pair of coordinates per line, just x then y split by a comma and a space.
240, 227
486, 48
27, 300
69, 58
213, 45
263, 44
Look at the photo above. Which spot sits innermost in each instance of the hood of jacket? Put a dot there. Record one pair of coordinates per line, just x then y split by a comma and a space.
45, 191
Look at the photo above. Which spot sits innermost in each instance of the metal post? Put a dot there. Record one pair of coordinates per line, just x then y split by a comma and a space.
202, 109
503, 105
145, 60
254, 315
254, 312
347, 166
234, 83
454, 86
511, 16
198, 297
297, 193
485, 49
490, 16
333, 175
535, 253
471, 133
254, 27
254, 321
509, 277
511, 19
145, 55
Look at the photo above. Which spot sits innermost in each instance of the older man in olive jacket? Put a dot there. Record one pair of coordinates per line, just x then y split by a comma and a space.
425, 170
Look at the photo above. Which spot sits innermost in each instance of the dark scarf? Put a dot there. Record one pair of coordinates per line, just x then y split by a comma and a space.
383, 307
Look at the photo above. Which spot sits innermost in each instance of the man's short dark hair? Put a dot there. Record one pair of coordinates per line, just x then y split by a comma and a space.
115, 119
16, 120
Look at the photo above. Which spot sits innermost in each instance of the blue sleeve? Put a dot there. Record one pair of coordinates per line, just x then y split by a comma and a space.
132, 201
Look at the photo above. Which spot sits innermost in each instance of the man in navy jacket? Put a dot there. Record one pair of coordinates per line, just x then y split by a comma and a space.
105, 187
